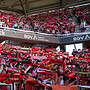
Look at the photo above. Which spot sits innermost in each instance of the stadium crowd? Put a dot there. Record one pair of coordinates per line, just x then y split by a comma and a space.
61, 21
81, 53
47, 66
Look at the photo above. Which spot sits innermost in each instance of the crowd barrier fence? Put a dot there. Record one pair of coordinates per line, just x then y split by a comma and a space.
70, 87
80, 87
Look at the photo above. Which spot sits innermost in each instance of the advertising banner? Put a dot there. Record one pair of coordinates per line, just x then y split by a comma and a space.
71, 39
29, 36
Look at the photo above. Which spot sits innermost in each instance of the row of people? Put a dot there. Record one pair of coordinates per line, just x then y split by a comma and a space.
63, 21
81, 53
55, 22
45, 65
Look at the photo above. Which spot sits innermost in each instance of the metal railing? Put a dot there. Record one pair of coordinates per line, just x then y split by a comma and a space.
80, 87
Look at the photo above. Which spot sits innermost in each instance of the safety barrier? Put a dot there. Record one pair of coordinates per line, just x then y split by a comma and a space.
70, 87
80, 87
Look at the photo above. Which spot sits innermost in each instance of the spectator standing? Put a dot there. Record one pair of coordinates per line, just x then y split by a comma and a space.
83, 25
61, 81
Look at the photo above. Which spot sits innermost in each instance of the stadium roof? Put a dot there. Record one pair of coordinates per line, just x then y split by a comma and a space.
34, 6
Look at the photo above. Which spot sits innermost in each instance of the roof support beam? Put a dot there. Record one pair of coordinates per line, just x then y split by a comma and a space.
24, 9
1, 1
13, 10
26, 3
60, 1
44, 8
